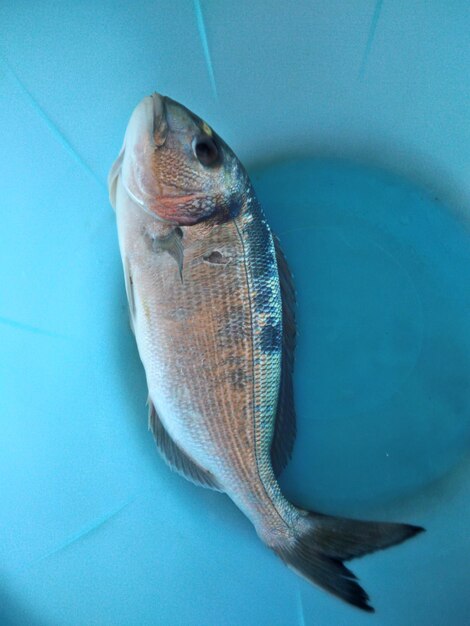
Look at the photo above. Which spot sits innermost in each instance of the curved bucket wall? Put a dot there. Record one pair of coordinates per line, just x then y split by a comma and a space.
354, 123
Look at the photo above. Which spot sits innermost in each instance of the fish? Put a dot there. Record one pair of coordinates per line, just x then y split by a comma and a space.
212, 307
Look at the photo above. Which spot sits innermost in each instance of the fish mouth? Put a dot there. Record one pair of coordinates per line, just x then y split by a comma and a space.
159, 119
148, 120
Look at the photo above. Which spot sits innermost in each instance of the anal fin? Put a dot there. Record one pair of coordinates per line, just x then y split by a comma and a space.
175, 457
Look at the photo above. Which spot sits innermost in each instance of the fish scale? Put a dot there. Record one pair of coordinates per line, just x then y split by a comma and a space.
211, 302
228, 428
266, 312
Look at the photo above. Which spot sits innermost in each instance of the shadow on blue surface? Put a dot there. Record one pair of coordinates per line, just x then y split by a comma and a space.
14, 613
383, 365
382, 379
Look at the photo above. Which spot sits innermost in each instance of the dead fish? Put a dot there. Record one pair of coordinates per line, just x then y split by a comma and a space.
212, 303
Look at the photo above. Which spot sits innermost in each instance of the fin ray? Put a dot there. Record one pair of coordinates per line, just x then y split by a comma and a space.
323, 542
175, 457
285, 424
172, 243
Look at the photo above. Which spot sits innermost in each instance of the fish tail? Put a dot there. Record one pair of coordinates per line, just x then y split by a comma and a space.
318, 544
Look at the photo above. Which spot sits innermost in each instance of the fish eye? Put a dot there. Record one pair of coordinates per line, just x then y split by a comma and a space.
206, 151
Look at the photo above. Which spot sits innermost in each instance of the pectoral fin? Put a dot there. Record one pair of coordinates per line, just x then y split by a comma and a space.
173, 244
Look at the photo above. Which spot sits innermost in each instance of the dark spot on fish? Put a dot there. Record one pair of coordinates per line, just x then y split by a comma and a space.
233, 328
263, 297
238, 378
235, 206
216, 258
234, 361
178, 232
270, 337
180, 313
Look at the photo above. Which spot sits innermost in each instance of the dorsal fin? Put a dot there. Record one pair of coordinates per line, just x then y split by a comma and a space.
174, 456
285, 428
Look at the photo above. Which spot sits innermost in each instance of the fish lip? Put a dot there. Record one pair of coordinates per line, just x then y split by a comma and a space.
159, 120
158, 103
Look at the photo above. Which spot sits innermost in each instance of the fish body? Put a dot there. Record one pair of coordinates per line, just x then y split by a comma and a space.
212, 307
211, 346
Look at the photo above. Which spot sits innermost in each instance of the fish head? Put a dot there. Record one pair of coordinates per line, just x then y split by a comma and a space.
176, 167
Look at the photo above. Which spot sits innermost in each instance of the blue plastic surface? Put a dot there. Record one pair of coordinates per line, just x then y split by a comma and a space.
95, 528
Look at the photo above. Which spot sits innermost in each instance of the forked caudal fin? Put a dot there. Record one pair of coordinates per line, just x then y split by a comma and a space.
322, 543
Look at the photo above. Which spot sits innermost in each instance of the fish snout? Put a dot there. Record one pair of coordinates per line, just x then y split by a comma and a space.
160, 122
147, 124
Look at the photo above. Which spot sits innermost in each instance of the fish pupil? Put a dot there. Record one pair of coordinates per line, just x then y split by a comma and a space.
206, 151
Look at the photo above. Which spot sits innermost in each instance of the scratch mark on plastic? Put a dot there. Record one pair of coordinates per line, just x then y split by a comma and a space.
205, 44
300, 608
26, 327
370, 39
48, 121
86, 530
